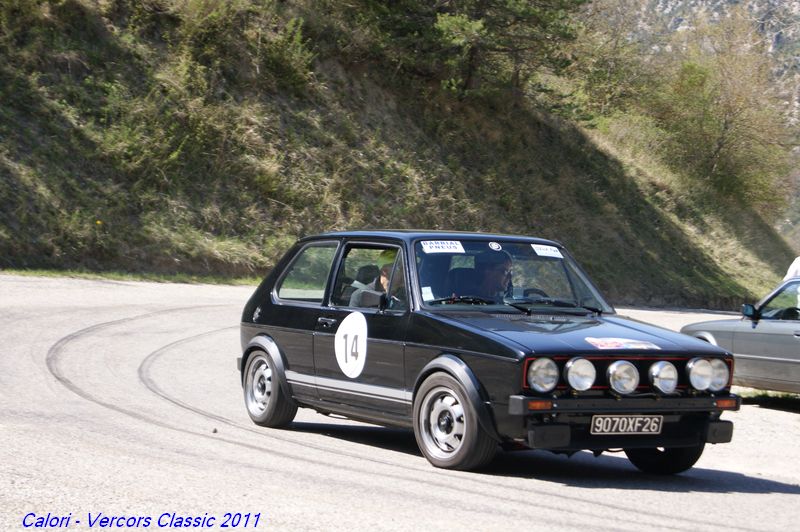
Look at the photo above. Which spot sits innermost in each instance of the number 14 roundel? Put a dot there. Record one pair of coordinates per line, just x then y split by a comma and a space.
351, 344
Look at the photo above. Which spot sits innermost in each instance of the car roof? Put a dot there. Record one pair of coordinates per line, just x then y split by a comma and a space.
410, 235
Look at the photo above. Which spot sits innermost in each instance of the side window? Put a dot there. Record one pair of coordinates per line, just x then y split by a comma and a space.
781, 307
307, 275
364, 275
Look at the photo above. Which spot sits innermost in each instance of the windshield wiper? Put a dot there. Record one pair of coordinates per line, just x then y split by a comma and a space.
470, 300
528, 304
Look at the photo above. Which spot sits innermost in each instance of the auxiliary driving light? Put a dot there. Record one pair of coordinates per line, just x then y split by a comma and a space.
664, 376
543, 375
700, 373
623, 377
580, 374
719, 375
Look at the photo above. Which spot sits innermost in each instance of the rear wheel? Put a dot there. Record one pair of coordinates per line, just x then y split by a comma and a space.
665, 461
446, 426
266, 403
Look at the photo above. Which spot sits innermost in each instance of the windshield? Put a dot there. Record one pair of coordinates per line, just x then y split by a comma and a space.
514, 275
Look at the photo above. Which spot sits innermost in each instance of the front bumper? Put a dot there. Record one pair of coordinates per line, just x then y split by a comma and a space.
563, 424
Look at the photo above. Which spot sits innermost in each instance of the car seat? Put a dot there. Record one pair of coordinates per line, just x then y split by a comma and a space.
365, 275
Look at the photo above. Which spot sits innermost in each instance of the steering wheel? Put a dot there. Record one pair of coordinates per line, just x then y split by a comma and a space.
790, 313
534, 291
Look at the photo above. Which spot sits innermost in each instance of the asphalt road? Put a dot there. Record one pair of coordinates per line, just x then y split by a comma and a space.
122, 399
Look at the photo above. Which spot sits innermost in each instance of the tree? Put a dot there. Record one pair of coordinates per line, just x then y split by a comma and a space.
503, 41
719, 105
468, 44
610, 65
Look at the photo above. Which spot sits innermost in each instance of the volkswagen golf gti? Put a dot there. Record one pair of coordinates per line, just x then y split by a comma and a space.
476, 342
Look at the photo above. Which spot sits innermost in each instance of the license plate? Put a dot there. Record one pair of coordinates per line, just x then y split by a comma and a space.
627, 424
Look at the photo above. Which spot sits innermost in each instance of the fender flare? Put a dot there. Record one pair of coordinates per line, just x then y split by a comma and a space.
459, 370
264, 343
706, 337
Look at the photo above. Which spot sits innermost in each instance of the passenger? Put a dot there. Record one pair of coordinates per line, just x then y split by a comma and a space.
381, 282
494, 275
794, 270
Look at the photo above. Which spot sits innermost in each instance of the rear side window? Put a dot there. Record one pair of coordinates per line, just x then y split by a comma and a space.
306, 277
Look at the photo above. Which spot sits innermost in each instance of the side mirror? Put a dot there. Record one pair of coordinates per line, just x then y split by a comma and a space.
750, 311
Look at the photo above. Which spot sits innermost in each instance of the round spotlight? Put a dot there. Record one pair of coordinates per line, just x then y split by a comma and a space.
719, 375
543, 375
623, 377
580, 374
664, 376
700, 373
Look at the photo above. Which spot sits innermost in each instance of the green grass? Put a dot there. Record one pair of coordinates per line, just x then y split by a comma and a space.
788, 402
200, 140
129, 276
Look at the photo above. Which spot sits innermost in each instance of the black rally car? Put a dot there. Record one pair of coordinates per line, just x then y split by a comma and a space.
476, 342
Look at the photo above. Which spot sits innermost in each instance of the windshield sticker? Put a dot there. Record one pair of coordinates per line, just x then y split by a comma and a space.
442, 246
427, 293
350, 344
620, 343
547, 251
495, 246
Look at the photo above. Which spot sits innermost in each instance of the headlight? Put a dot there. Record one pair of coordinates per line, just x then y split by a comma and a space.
700, 372
580, 374
543, 375
664, 376
623, 376
719, 375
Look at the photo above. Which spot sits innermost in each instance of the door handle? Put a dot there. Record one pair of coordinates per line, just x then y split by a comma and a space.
797, 334
327, 322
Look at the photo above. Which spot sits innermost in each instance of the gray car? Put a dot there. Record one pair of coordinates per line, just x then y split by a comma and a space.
765, 341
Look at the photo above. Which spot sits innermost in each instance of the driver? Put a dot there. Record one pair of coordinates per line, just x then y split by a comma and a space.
494, 275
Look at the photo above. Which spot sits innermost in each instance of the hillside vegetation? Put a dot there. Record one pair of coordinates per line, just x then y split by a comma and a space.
202, 136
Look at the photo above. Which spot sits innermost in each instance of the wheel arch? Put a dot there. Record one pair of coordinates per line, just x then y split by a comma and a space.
265, 343
459, 370
705, 336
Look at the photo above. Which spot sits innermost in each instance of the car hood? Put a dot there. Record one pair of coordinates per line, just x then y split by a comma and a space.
559, 334
712, 325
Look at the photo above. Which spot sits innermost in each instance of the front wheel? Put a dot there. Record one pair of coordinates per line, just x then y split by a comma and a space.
266, 403
665, 461
446, 426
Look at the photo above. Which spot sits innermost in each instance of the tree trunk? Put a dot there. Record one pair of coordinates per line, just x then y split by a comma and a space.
471, 77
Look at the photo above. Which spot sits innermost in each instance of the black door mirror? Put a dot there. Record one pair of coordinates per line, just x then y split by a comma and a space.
750, 311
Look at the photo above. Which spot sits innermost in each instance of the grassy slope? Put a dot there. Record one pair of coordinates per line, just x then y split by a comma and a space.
112, 157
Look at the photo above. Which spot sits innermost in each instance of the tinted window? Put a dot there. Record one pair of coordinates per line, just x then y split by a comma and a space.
306, 277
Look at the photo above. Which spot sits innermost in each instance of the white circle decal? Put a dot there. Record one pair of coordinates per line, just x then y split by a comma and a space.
495, 246
351, 344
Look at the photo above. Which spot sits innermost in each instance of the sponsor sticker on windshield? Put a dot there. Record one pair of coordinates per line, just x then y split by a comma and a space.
547, 251
442, 246
620, 343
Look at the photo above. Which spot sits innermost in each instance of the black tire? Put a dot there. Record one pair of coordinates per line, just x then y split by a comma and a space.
455, 439
264, 399
667, 461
